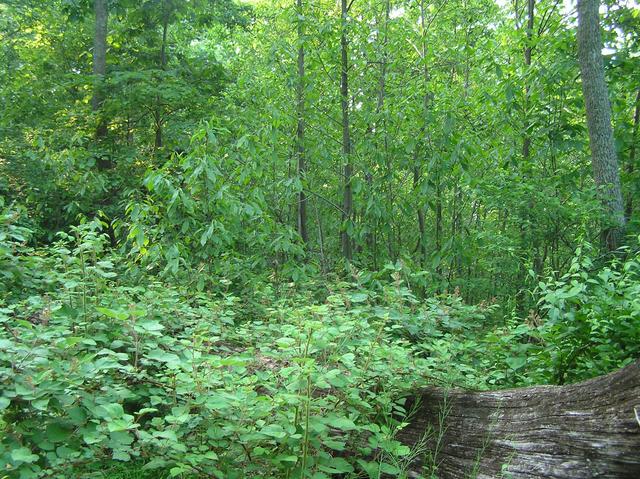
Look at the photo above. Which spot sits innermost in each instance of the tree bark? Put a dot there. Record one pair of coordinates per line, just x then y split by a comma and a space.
526, 140
598, 110
347, 200
582, 430
381, 124
426, 95
300, 113
99, 62
421, 246
628, 209
158, 114
426, 99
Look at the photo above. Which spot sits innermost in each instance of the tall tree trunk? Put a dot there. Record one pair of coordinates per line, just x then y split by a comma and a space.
628, 210
300, 113
163, 46
436, 173
382, 79
323, 259
422, 247
438, 221
158, 114
380, 124
347, 201
598, 109
527, 216
99, 62
526, 140
158, 129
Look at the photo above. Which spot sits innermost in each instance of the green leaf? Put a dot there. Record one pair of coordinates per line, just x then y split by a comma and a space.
333, 444
121, 456
390, 469
167, 434
151, 326
40, 404
358, 297
176, 471
172, 360
93, 437
274, 430
284, 343
23, 454
111, 313
336, 378
516, 362
118, 424
113, 410
337, 465
285, 458
59, 432
402, 450
341, 423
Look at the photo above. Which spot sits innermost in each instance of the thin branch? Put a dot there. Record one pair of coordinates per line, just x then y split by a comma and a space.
326, 200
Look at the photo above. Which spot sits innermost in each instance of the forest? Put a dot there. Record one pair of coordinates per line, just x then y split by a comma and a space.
238, 236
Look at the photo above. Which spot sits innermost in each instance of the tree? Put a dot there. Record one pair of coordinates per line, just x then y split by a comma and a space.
99, 61
596, 97
165, 15
526, 141
628, 209
397, 132
426, 95
347, 200
300, 153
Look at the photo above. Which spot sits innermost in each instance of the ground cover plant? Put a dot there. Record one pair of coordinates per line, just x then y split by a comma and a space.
272, 384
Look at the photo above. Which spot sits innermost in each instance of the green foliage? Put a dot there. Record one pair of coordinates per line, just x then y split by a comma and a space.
21, 270
276, 383
201, 206
160, 314
592, 316
105, 372
195, 168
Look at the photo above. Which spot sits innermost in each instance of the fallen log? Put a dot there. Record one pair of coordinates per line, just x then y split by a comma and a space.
584, 430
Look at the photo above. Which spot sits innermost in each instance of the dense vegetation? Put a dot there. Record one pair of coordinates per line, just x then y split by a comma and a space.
234, 237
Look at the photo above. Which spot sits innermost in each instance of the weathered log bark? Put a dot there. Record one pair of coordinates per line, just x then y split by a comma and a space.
584, 430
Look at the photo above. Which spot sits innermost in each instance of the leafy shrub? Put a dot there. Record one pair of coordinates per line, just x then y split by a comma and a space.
592, 322
281, 381
179, 383
20, 269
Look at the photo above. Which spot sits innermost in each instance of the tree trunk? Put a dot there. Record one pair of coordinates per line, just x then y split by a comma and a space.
598, 109
583, 430
158, 114
526, 141
347, 200
300, 113
158, 130
426, 96
99, 62
628, 209
380, 124
421, 246
163, 46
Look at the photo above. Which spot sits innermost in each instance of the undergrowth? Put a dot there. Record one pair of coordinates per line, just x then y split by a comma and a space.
156, 379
